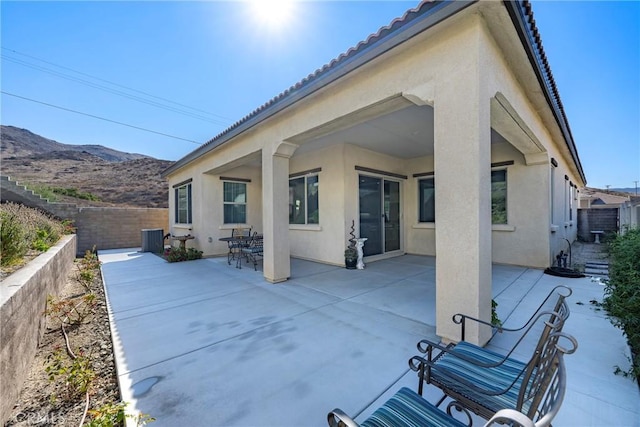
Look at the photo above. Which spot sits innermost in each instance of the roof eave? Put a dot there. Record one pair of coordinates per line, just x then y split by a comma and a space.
438, 12
528, 33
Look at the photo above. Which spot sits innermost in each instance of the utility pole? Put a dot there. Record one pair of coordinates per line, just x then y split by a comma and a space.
636, 182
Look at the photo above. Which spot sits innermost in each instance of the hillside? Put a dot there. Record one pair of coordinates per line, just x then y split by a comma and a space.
17, 142
628, 190
115, 177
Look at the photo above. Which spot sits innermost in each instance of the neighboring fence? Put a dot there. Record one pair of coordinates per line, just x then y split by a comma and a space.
102, 227
23, 299
629, 215
596, 219
111, 228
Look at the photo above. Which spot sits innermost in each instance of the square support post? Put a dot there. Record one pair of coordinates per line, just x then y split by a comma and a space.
275, 212
462, 155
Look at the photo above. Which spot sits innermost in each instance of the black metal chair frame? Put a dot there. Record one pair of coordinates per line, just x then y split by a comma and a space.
252, 251
455, 385
530, 382
546, 395
560, 307
560, 311
239, 238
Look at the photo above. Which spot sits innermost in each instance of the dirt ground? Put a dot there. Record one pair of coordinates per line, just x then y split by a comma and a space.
44, 402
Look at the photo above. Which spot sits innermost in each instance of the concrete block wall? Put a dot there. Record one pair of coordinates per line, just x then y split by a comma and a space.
12, 191
23, 297
102, 227
602, 219
112, 228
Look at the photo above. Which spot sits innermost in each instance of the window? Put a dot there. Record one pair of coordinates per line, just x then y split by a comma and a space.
235, 202
571, 198
303, 200
427, 195
499, 196
183, 204
553, 192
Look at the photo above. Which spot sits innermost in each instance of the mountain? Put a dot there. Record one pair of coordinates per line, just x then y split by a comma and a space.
629, 190
17, 142
116, 178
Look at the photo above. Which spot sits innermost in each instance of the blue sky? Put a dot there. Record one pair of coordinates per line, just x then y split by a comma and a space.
218, 61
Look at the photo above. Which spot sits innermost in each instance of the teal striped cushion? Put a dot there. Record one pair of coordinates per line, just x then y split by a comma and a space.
252, 250
407, 409
493, 379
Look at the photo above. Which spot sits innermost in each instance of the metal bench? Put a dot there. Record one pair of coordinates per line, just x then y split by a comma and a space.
408, 409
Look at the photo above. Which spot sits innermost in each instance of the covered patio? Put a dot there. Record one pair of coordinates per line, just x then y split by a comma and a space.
441, 133
204, 343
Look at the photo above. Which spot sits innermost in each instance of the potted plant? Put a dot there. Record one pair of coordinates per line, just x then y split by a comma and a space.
350, 258
351, 254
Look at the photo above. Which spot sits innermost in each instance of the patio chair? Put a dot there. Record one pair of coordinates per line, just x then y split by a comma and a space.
548, 320
563, 292
239, 238
252, 250
408, 409
484, 382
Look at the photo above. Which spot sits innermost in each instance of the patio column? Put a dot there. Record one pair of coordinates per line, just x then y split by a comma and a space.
275, 211
462, 155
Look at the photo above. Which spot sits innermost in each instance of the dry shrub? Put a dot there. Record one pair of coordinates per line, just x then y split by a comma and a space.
23, 228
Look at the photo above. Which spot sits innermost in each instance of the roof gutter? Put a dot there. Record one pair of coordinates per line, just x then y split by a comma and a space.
520, 13
430, 14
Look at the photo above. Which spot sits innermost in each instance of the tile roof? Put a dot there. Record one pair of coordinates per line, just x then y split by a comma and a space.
608, 198
522, 17
422, 12
373, 38
521, 12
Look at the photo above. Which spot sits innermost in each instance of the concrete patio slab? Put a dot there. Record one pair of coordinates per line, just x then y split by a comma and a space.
202, 343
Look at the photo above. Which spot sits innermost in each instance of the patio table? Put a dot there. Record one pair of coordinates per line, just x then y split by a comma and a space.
235, 243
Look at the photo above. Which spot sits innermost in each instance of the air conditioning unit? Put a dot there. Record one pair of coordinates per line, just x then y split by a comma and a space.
152, 240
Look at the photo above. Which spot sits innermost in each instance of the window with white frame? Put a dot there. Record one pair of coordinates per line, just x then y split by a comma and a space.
571, 198
553, 190
183, 203
499, 196
427, 200
303, 200
235, 202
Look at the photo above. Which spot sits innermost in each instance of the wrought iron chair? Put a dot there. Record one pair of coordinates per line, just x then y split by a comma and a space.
239, 238
252, 250
562, 293
549, 321
408, 409
484, 382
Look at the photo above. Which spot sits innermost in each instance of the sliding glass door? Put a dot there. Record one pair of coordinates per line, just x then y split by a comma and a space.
379, 214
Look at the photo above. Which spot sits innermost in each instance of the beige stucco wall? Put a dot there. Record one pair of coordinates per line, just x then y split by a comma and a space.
528, 186
420, 238
472, 70
209, 223
523, 240
324, 241
417, 69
